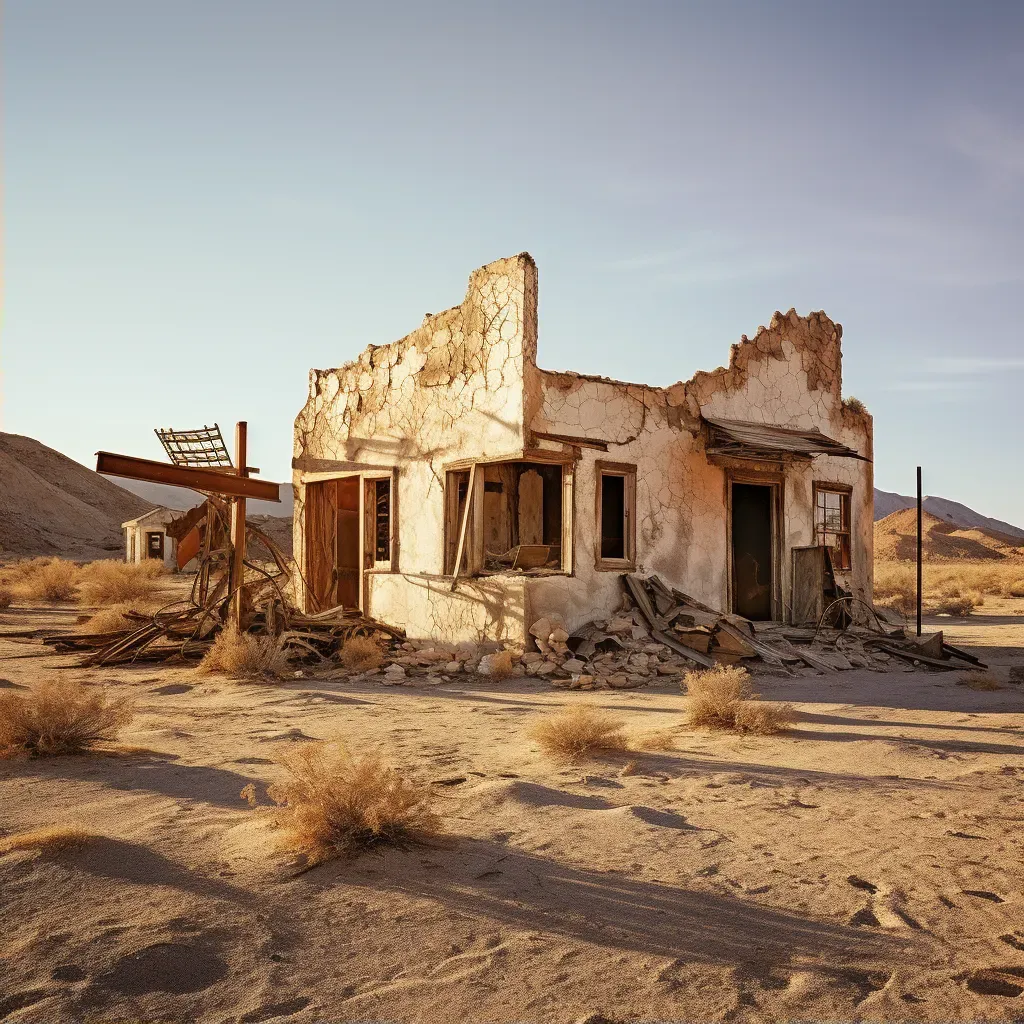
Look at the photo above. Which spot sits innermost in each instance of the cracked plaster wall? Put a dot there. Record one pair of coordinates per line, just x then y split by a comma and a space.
466, 385
789, 374
452, 389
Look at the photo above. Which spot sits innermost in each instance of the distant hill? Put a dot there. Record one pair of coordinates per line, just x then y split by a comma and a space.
896, 539
183, 498
52, 505
887, 502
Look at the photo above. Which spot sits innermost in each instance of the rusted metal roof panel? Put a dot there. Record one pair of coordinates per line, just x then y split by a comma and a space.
767, 441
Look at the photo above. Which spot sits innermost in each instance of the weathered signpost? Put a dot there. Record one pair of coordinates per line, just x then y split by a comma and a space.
200, 461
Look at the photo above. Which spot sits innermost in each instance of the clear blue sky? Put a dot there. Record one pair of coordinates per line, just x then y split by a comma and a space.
205, 199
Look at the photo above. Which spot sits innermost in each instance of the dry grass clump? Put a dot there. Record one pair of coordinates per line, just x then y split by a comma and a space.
662, 739
499, 665
52, 839
46, 579
332, 803
61, 717
854, 404
723, 698
950, 588
579, 733
245, 656
110, 582
361, 654
986, 681
113, 619
6, 597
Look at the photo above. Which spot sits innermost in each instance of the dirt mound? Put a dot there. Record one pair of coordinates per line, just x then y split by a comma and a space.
52, 505
896, 540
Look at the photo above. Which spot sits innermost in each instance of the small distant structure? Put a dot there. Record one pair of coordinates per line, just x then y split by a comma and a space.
146, 537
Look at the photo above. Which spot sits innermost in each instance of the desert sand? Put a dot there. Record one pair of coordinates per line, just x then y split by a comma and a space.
866, 865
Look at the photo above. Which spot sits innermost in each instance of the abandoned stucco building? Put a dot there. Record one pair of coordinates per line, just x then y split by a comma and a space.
451, 453
146, 537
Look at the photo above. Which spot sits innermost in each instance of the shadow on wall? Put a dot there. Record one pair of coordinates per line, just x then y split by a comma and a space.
486, 609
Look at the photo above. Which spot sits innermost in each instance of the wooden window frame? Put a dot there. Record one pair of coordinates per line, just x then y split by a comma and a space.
627, 470
473, 553
846, 492
370, 561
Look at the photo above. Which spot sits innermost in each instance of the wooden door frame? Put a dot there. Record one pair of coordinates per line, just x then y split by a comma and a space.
776, 482
163, 539
332, 478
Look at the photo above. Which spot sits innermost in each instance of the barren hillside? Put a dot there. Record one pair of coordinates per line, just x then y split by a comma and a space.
52, 505
896, 540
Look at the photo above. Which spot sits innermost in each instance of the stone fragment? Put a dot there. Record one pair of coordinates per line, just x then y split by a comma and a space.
541, 629
558, 636
574, 665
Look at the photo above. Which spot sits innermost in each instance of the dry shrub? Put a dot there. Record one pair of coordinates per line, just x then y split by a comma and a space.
361, 654
245, 656
723, 698
660, 740
958, 605
110, 582
981, 681
59, 718
500, 665
113, 619
47, 579
854, 404
6, 597
764, 718
332, 803
579, 733
952, 588
53, 839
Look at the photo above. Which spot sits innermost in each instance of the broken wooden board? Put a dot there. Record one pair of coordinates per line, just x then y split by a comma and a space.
930, 646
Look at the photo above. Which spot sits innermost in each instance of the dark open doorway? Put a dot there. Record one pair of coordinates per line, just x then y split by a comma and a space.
155, 545
753, 558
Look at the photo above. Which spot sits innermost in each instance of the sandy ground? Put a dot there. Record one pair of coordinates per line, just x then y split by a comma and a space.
865, 866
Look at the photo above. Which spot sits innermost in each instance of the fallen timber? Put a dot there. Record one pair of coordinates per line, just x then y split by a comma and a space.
707, 637
186, 630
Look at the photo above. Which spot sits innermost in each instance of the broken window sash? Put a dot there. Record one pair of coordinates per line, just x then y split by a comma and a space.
832, 524
519, 525
382, 521
615, 488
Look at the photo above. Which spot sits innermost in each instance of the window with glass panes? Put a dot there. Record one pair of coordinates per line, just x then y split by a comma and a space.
832, 524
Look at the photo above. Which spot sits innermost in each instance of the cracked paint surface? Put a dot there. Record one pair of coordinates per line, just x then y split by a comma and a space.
466, 385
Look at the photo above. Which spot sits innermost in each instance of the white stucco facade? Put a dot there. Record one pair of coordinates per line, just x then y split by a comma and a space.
465, 388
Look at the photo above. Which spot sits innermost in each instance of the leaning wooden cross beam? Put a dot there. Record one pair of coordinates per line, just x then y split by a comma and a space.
231, 482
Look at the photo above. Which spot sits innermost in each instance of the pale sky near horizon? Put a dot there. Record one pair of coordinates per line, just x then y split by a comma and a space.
202, 200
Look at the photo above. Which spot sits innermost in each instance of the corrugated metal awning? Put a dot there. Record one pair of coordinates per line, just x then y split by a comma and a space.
764, 441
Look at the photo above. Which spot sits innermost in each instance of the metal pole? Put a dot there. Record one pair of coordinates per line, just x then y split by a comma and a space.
238, 527
919, 547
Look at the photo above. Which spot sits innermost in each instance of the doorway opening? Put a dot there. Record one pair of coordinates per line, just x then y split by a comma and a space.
753, 550
332, 542
155, 545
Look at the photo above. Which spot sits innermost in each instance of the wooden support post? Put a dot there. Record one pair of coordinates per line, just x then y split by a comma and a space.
238, 528
920, 546
464, 526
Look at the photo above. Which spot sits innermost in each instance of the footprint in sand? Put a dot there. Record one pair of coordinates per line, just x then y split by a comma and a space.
275, 1011
983, 894
172, 689
996, 981
166, 967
